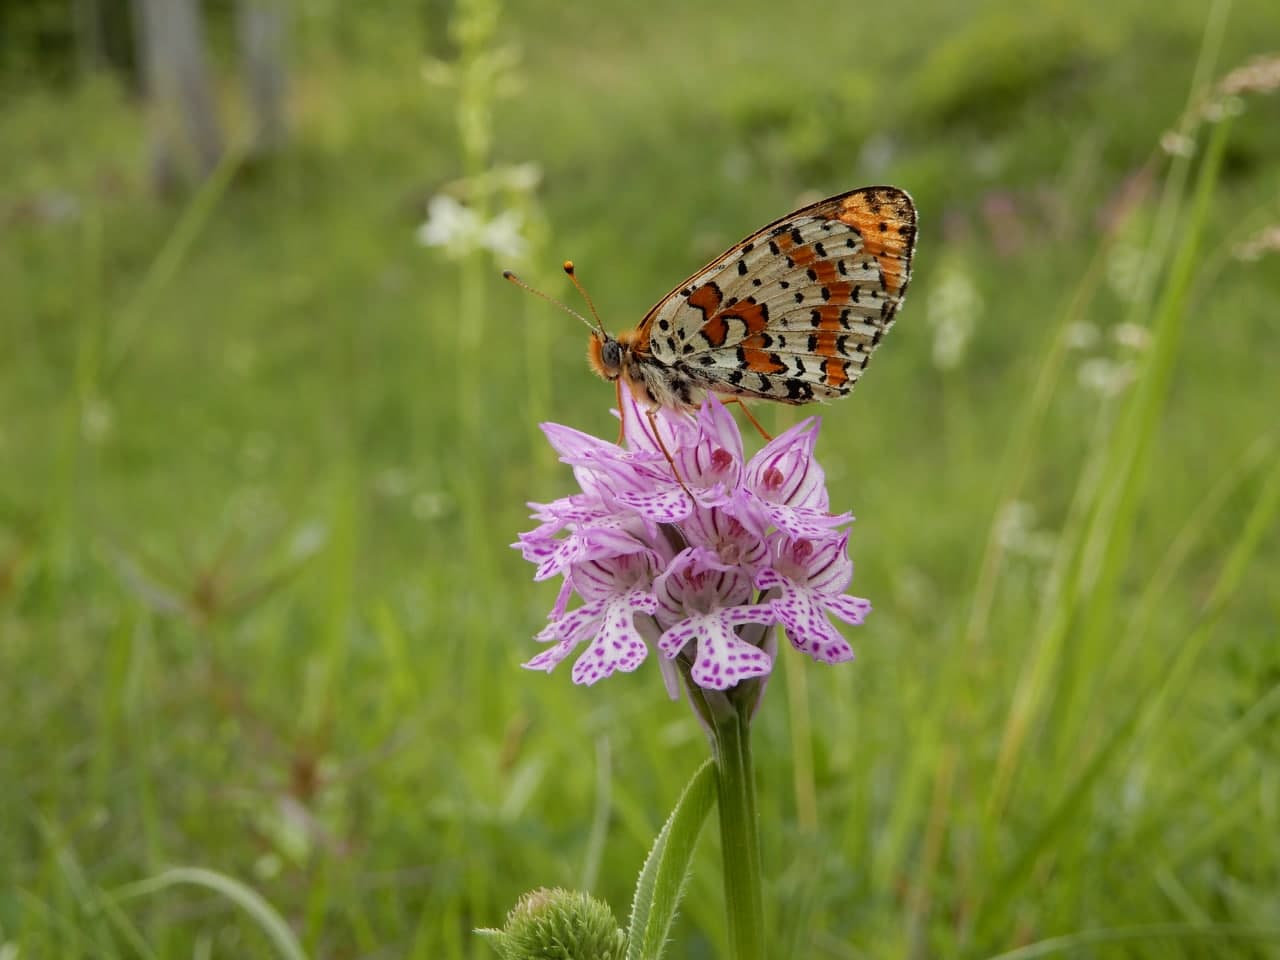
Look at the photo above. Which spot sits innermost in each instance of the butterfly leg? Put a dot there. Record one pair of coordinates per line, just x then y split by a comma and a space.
622, 423
754, 422
653, 423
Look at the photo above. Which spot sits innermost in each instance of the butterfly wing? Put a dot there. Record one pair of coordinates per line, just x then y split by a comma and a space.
794, 312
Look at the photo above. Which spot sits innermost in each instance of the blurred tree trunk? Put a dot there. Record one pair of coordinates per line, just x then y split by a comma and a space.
91, 41
261, 28
177, 85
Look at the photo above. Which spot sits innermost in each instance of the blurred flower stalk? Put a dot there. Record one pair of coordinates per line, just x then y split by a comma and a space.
490, 211
485, 219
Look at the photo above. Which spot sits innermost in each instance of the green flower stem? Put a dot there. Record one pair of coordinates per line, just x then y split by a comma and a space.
739, 834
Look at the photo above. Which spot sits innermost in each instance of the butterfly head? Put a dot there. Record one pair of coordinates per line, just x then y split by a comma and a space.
605, 354
609, 356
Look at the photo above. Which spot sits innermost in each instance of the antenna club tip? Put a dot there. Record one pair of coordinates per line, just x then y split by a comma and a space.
568, 267
508, 275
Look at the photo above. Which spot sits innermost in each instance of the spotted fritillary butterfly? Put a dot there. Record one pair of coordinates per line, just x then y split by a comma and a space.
792, 313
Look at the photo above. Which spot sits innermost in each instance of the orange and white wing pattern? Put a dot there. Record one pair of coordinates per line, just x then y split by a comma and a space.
795, 311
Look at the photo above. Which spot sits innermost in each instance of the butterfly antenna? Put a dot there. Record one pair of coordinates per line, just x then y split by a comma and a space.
508, 275
568, 268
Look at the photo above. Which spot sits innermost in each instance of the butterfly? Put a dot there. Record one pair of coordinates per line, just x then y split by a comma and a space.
793, 313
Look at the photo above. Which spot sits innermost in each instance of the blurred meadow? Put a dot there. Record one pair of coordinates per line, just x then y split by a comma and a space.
263, 450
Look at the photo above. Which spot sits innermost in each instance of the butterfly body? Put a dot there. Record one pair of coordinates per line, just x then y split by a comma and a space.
657, 383
792, 313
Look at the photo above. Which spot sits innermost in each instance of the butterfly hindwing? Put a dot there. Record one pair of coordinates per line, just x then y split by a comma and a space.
794, 312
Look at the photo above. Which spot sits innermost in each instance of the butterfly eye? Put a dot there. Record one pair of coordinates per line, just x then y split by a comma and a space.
611, 354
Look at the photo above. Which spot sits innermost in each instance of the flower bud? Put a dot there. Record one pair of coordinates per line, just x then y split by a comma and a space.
559, 925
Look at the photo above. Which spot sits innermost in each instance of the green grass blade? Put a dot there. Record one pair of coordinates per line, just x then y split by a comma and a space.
1073, 944
272, 925
199, 211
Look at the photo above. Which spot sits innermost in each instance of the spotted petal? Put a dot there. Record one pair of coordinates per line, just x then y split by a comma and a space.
722, 659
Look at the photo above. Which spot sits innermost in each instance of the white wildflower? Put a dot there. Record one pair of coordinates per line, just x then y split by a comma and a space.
1082, 335
459, 230
1260, 244
1127, 271
1177, 144
952, 310
1016, 531
1131, 335
1105, 376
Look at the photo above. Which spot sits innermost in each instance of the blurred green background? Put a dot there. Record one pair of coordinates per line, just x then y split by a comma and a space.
263, 451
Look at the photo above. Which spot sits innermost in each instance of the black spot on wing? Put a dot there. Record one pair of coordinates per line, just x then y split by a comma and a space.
799, 391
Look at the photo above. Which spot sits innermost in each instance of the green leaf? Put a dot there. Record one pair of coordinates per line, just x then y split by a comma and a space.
661, 883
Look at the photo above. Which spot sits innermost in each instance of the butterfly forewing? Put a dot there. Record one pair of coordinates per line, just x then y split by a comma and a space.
795, 311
